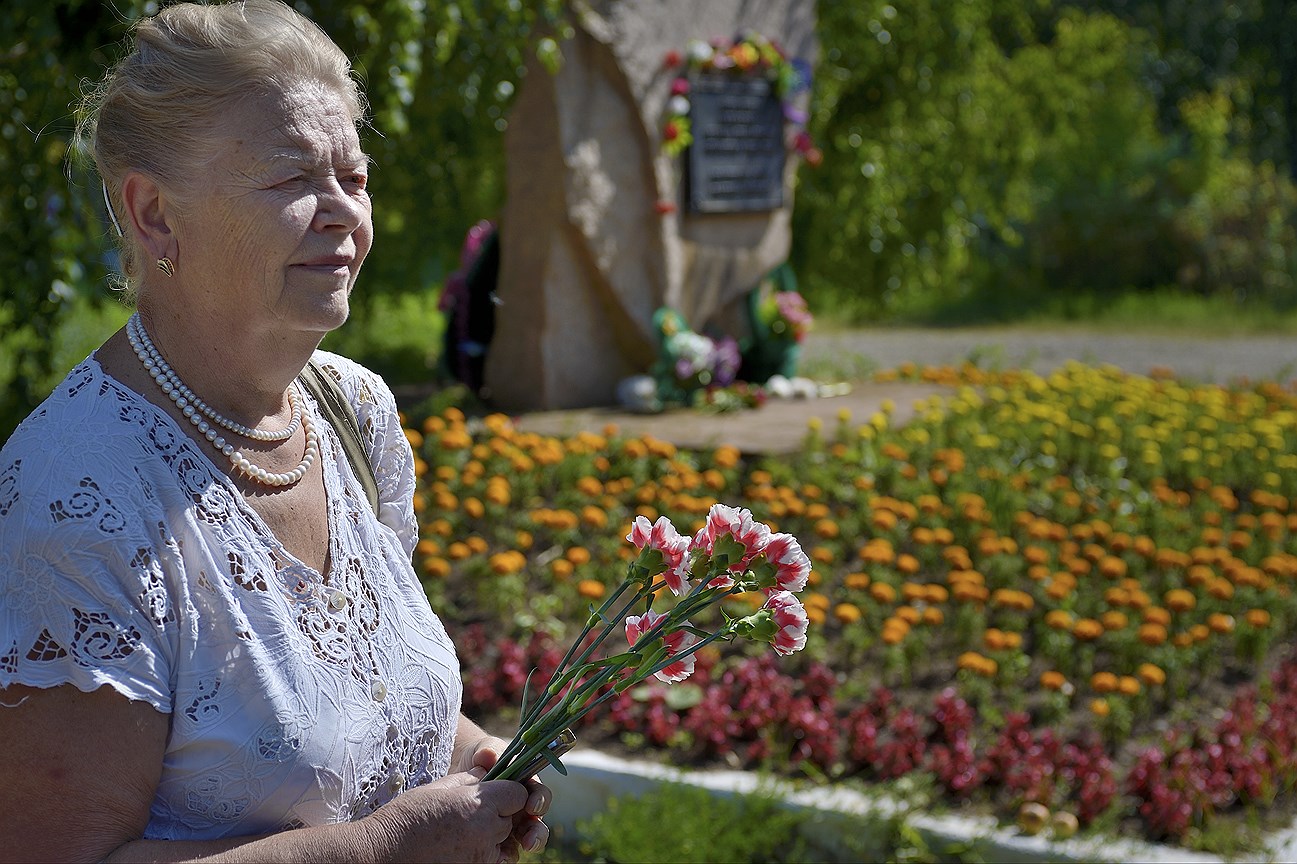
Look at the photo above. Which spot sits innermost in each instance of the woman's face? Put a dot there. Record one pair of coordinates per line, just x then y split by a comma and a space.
282, 220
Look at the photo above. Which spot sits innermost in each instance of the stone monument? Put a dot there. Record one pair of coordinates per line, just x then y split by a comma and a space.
604, 225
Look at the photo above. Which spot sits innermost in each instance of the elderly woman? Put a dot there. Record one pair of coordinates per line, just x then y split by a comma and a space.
212, 645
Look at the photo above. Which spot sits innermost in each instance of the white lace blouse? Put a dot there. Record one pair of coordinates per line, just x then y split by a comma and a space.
127, 558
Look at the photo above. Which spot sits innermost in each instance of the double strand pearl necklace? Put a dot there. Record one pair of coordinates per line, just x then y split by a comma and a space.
198, 412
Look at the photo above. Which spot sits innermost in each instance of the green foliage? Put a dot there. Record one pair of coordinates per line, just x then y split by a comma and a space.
439, 77
987, 159
680, 822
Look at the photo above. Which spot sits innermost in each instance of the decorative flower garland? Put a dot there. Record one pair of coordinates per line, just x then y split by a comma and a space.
750, 54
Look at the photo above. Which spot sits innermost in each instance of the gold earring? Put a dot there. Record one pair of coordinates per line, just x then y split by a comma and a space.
165, 265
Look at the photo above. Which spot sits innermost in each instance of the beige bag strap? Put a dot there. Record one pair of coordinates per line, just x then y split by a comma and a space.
338, 411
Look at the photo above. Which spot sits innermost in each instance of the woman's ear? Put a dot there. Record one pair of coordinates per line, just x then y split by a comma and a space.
146, 213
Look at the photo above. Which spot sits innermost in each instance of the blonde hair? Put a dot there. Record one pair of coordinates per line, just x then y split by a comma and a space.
159, 109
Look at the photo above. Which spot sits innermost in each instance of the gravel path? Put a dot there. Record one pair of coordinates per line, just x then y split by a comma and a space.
1218, 359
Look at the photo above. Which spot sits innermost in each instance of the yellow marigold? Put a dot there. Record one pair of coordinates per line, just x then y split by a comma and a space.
474, 508
908, 614
524, 539
592, 589
1200, 632
815, 615
1182, 640
847, 613
477, 544
933, 616
1100, 707
458, 551
436, 567
1128, 685
822, 555
1179, 600
1116, 597
1152, 634
1087, 629
1052, 680
427, 547
441, 527
993, 639
578, 555
907, 564
713, 479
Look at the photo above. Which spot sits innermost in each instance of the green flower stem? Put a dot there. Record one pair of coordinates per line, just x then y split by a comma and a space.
549, 714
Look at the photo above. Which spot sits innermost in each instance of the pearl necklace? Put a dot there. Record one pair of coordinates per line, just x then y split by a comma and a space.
198, 412
185, 398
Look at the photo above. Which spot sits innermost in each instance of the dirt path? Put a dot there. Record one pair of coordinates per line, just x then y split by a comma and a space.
780, 425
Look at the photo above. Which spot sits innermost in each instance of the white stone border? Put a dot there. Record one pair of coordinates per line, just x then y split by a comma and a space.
595, 777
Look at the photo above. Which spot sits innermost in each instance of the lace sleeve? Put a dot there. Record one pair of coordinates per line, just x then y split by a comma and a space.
384, 438
83, 596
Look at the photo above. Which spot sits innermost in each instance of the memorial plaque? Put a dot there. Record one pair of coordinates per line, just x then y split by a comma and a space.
736, 160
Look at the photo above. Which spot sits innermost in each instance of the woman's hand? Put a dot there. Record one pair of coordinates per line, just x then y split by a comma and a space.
529, 831
456, 818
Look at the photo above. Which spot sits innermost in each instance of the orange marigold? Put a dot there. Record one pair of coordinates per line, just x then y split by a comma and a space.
1179, 600
1258, 618
590, 588
1103, 682
1052, 680
856, 581
1151, 675
1087, 629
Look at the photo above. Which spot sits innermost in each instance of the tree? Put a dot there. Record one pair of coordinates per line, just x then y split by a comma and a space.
439, 77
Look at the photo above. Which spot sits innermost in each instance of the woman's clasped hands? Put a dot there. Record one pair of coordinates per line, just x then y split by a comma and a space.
463, 818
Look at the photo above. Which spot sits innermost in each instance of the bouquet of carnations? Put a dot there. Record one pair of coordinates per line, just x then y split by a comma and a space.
731, 554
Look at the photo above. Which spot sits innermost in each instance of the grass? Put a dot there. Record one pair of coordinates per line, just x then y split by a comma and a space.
1164, 312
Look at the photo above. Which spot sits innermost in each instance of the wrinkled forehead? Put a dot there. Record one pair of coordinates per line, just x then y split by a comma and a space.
308, 123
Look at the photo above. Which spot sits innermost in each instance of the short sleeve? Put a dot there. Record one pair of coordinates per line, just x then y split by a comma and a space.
83, 596
384, 439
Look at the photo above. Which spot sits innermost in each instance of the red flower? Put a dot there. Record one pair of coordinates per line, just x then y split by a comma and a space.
671, 60
786, 554
671, 132
676, 642
814, 157
662, 536
680, 86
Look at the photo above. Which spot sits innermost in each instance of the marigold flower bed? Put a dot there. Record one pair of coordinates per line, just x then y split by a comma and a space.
1073, 590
